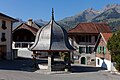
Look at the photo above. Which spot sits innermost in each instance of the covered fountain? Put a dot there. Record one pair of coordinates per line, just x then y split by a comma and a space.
52, 38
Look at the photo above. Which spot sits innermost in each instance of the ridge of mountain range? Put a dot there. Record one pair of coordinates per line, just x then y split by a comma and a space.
109, 14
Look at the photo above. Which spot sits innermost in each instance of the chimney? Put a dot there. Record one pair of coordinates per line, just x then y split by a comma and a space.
30, 22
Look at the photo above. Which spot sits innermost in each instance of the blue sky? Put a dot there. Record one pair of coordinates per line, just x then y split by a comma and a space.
36, 9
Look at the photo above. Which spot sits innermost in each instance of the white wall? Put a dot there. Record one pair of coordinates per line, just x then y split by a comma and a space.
103, 63
8, 34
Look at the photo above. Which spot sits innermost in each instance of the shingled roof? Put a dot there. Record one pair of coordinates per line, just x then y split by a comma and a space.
91, 27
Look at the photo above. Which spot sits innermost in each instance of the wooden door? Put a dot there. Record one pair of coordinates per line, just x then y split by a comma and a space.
2, 51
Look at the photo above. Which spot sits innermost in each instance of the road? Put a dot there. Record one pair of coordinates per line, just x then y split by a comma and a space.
13, 70
21, 75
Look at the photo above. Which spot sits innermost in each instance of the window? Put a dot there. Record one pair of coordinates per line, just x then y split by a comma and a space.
17, 45
24, 45
98, 61
104, 50
101, 49
88, 38
91, 49
81, 49
3, 37
4, 25
82, 38
87, 49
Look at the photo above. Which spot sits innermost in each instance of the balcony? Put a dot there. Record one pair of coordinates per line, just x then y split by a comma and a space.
18, 45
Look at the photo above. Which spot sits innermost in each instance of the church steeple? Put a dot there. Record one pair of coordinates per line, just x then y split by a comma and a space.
52, 14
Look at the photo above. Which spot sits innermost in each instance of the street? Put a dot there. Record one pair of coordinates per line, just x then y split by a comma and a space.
20, 75
13, 70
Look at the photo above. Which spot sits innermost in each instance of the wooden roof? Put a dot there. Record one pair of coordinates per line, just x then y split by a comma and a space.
90, 27
25, 26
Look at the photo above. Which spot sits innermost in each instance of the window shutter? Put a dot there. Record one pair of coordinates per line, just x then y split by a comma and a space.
87, 49
80, 50
97, 49
104, 50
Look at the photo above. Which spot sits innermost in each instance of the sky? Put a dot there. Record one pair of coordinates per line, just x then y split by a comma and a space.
41, 9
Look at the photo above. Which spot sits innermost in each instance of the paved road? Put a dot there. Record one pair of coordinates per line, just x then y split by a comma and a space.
13, 70
20, 75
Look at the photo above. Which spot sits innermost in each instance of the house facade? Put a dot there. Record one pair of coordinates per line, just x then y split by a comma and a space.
23, 38
103, 57
83, 37
6, 23
24, 34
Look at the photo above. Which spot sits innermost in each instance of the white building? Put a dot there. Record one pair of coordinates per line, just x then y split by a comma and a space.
23, 37
6, 36
83, 38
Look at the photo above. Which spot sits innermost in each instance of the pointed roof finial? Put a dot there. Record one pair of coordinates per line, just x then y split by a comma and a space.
52, 14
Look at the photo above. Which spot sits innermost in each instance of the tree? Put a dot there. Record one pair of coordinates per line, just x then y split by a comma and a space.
114, 48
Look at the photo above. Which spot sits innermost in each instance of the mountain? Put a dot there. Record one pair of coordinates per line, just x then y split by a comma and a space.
110, 14
40, 22
85, 16
110, 6
107, 15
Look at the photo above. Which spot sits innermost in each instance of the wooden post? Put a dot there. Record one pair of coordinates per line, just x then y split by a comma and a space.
34, 60
49, 62
69, 61
72, 56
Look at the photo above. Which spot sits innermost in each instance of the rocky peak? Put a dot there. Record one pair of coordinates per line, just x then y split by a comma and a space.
91, 10
110, 6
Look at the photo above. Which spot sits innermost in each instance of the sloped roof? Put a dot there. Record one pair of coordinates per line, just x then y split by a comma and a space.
51, 37
90, 27
105, 37
25, 26
12, 19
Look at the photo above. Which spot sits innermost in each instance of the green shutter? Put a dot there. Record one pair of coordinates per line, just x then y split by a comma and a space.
98, 49
104, 50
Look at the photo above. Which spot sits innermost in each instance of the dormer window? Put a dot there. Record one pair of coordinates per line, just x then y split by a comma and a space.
3, 37
4, 25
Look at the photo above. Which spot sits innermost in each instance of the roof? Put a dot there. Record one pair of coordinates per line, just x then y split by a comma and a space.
104, 36
51, 38
12, 19
90, 27
25, 26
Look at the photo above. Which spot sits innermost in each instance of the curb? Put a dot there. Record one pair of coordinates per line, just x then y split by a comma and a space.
115, 72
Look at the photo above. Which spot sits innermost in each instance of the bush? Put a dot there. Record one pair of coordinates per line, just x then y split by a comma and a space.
114, 48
